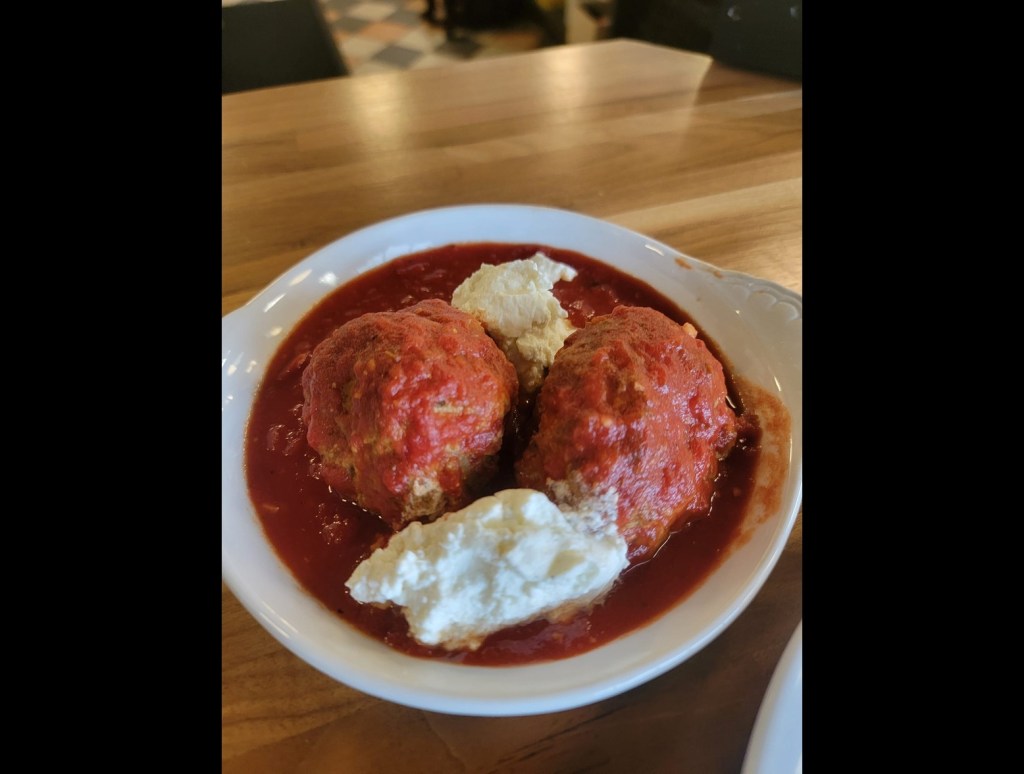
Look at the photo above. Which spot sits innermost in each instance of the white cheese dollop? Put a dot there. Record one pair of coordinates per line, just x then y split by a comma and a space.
505, 559
515, 304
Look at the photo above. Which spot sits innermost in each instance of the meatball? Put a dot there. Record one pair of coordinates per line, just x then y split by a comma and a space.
407, 410
636, 407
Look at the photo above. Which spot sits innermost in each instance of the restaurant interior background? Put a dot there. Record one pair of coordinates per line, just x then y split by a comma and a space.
274, 42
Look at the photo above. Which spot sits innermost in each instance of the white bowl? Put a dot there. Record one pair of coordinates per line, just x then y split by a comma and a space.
758, 327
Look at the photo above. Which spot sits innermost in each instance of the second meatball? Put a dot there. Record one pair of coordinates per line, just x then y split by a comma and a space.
634, 406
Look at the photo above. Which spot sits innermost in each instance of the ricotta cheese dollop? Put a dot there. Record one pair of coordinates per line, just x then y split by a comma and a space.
505, 559
515, 304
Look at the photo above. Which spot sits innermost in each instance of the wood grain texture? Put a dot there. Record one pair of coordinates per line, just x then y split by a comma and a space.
702, 157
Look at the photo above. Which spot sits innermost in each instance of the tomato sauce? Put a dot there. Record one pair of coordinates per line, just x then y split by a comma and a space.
321, 537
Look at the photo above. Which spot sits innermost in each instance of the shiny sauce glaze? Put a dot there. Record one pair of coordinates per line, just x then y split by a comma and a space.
321, 538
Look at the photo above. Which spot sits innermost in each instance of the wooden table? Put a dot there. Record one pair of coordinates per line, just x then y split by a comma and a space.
700, 156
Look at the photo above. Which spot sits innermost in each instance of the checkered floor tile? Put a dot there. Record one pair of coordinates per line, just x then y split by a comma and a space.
386, 35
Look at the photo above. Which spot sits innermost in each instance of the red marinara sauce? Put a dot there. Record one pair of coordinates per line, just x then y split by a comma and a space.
321, 537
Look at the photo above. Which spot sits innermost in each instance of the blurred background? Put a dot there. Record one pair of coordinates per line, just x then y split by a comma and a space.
274, 42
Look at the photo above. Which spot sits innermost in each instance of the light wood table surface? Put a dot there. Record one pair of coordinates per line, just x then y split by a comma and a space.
705, 158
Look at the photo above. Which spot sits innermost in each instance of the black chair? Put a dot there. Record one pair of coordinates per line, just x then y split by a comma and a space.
685, 24
760, 35
275, 43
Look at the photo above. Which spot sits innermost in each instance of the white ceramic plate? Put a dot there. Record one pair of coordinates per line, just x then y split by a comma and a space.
757, 325
777, 743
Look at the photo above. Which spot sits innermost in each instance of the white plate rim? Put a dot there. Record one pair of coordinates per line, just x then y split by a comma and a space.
776, 742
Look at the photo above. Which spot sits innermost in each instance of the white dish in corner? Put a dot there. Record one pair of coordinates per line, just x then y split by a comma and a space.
757, 325
776, 744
